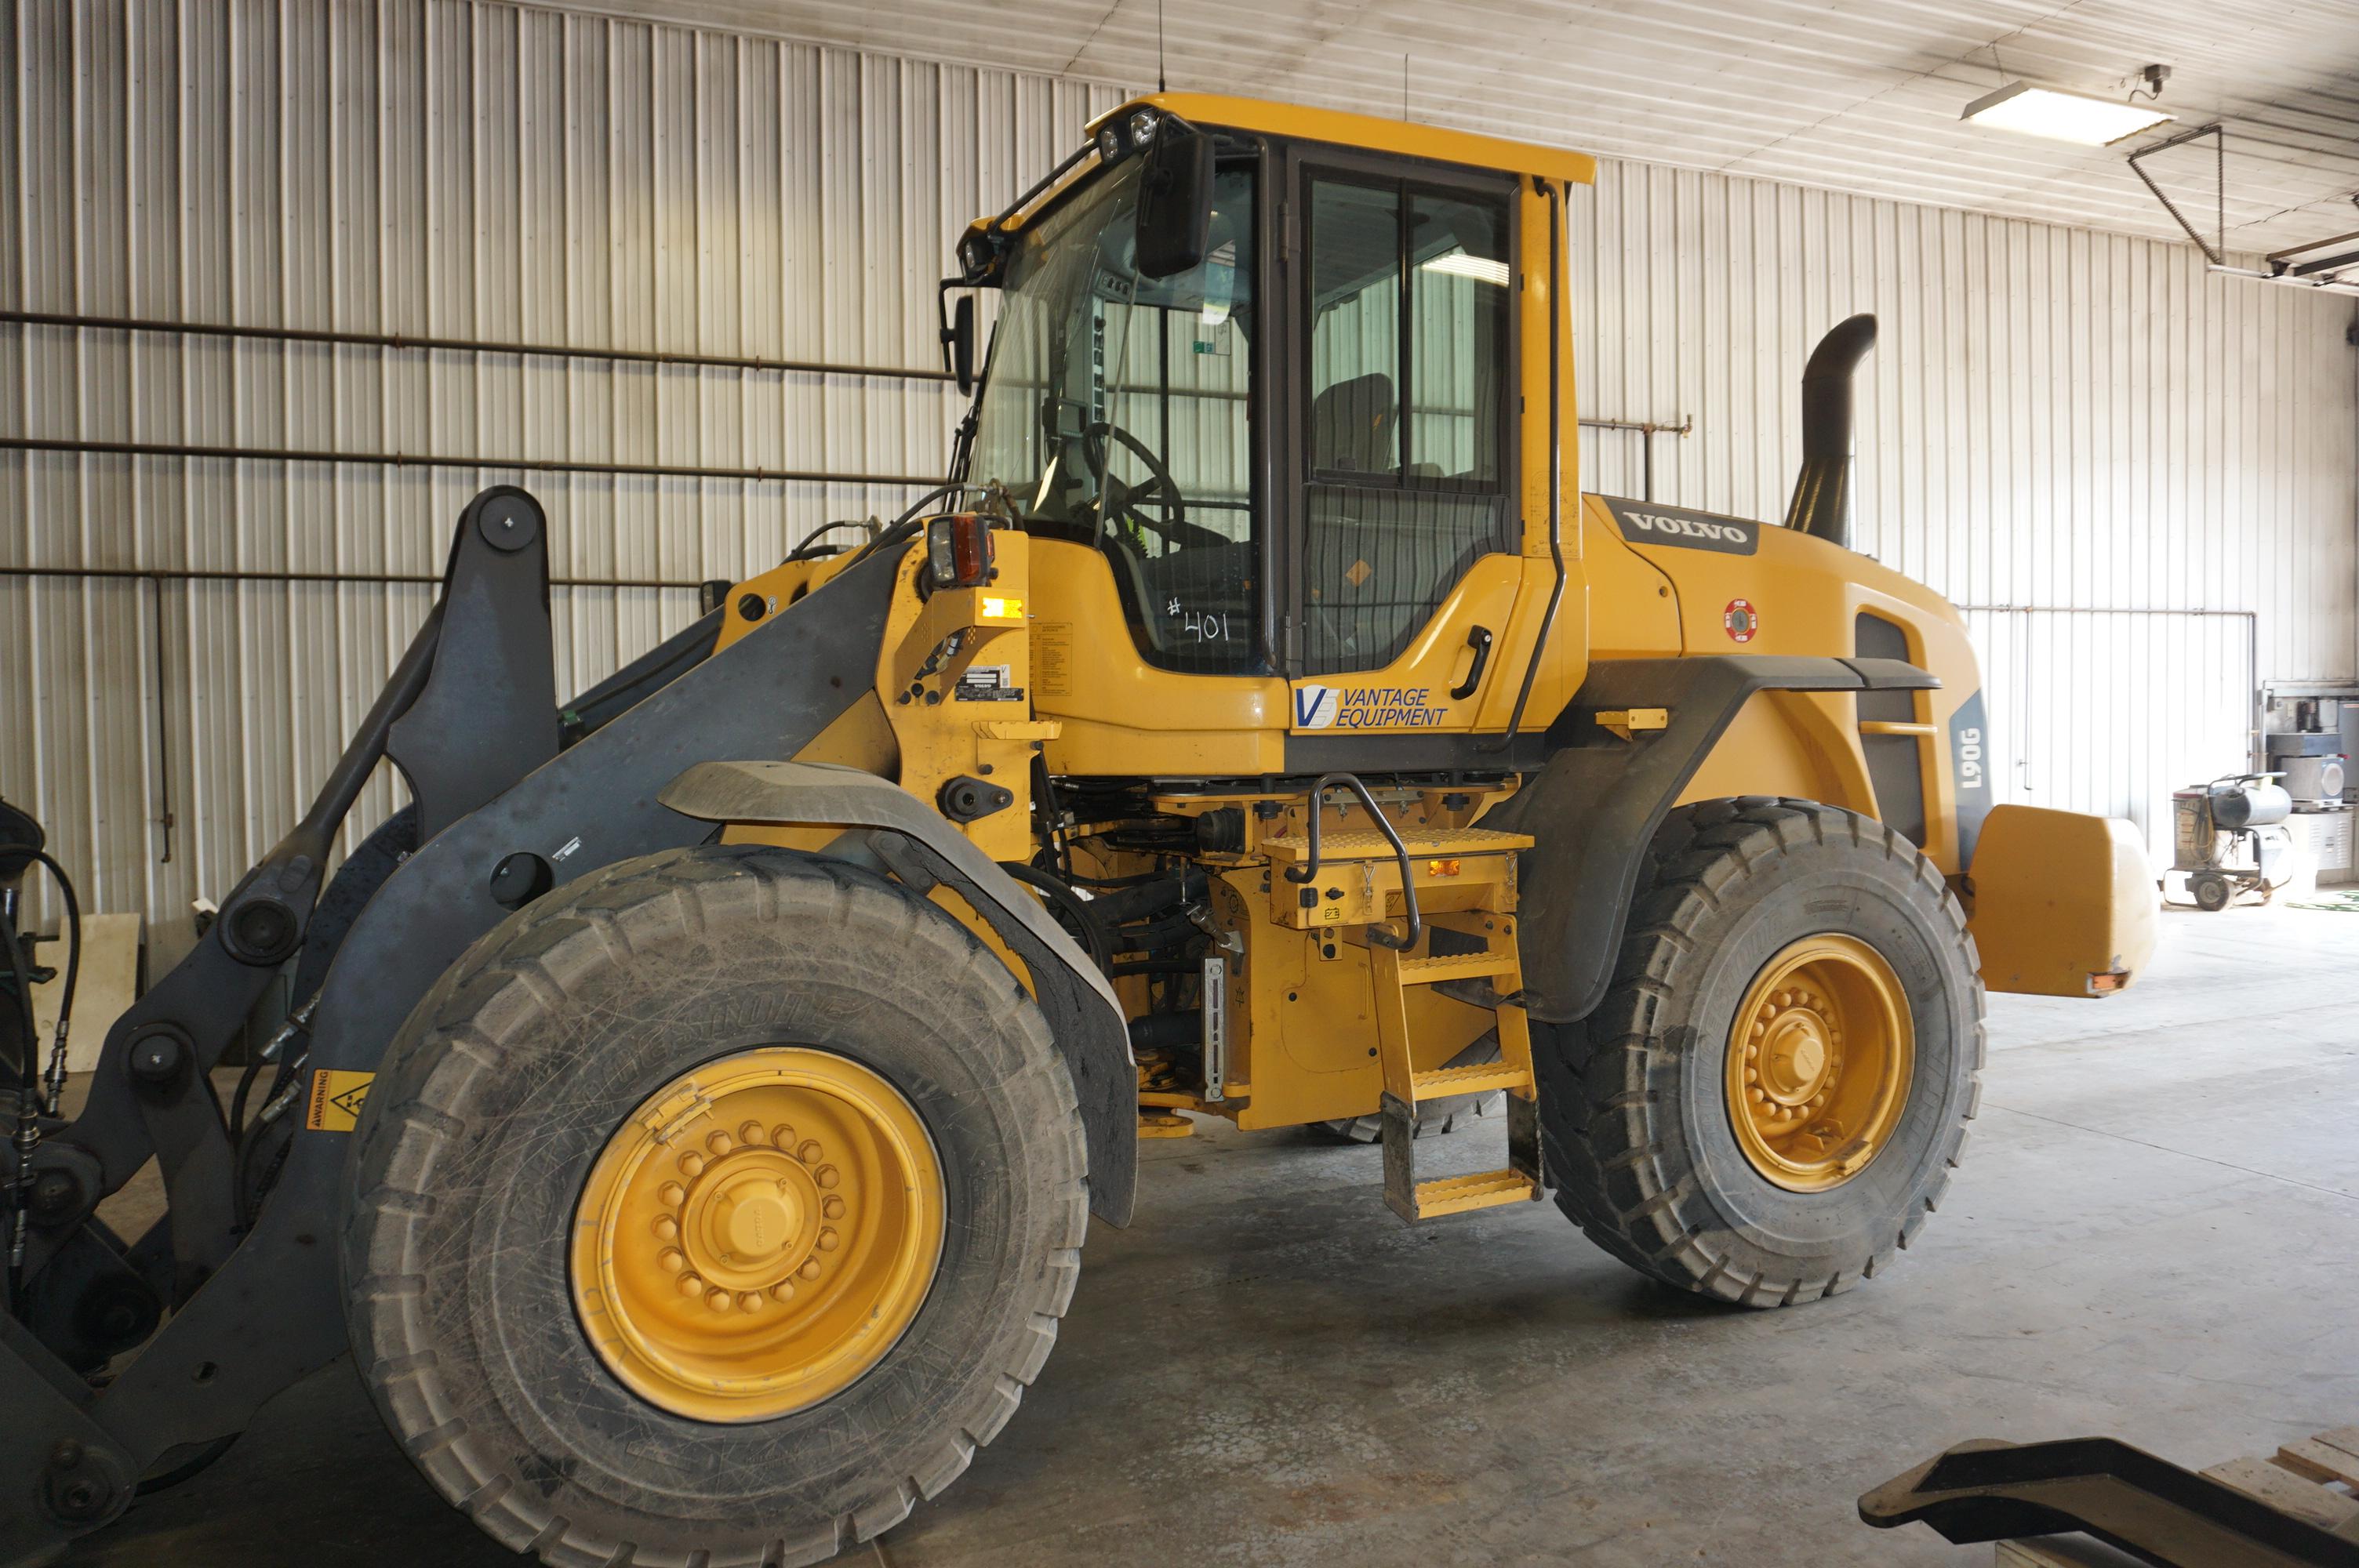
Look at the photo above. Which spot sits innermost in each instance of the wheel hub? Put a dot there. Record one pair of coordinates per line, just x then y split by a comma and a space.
1820, 1052
757, 1234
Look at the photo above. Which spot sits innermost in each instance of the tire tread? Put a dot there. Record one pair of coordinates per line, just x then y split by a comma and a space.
447, 1041
1597, 1105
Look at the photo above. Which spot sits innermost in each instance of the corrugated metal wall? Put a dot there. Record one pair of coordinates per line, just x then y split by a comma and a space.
2054, 416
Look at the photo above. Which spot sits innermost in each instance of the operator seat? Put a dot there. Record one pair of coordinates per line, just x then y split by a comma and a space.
1352, 425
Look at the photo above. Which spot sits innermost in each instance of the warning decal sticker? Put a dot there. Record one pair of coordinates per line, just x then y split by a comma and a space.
336, 1099
1741, 618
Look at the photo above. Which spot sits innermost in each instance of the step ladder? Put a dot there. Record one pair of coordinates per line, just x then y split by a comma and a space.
1466, 950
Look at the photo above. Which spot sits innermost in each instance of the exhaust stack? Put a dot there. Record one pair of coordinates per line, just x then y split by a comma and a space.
1822, 503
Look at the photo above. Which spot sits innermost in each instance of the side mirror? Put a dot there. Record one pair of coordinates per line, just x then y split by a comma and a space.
1175, 200
960, 335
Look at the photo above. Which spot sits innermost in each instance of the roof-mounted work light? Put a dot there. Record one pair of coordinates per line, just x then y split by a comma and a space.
2068, 117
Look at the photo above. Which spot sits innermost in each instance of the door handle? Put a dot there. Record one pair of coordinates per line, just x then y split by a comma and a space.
1479, 639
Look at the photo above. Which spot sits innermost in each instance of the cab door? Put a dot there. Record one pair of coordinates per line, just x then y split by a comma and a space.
1401, 497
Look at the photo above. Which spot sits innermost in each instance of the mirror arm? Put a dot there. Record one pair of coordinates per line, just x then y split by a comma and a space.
942, 318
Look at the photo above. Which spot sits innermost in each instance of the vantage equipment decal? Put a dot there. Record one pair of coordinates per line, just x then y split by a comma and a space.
1366, 707
1644, 522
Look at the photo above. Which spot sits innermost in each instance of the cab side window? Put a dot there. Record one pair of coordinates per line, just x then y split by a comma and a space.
1410, 289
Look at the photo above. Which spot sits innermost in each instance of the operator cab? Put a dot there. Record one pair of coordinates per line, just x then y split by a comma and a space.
1270, 375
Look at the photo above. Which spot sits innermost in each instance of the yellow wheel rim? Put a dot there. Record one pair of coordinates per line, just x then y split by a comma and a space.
757, 1235
1820, 1056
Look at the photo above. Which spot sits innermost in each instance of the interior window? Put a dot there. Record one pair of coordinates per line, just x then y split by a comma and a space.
1115, 413
1409, 293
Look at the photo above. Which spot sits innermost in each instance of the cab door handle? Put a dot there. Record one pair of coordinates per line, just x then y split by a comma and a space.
1479, 639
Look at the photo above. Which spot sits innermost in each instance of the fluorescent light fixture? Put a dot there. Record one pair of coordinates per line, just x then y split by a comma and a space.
1481, 269
2066, 116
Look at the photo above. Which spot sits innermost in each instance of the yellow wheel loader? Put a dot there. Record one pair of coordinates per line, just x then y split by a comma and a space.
693, 1103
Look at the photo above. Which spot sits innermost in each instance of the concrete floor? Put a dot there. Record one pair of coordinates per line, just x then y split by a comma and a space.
2154, 1236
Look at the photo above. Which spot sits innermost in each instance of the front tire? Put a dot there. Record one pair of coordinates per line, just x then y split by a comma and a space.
1726, 1121
548, 1063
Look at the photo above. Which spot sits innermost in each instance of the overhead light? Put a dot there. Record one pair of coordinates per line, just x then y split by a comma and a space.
2066, 116
1482, 269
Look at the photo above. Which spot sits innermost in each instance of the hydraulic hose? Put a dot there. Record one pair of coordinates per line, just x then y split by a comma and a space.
56, 1084
28, 1132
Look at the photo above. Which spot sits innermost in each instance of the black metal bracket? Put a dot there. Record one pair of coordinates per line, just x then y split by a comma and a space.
1987, 1490
488, 713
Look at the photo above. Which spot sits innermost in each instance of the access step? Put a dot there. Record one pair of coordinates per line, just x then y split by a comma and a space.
1479, 1078
1519, 1183
1484, 1189
1458, 966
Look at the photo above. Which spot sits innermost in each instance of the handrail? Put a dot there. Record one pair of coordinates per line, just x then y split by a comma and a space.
1309, 869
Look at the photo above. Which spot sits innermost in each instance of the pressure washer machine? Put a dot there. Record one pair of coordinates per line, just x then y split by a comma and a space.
2229, 837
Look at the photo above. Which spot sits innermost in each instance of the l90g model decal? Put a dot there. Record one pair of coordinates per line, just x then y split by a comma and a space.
1644, 522
1970, 764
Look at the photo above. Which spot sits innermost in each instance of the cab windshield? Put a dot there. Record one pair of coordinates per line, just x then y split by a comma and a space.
1114, 408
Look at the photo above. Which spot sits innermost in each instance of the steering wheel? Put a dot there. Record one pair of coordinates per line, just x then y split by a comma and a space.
1123, 500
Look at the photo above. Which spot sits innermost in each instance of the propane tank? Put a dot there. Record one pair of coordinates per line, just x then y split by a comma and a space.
2248, 802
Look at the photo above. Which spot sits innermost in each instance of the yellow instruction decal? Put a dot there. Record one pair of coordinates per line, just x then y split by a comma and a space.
336, 1099
1052, 657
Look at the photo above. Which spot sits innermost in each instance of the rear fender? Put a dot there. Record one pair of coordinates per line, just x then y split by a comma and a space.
917, 844
1596, 806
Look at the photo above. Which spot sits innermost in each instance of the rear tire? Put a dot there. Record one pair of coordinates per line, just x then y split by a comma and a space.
509, 1079
1642, 1139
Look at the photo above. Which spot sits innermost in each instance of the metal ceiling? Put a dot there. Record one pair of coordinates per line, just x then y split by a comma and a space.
1853, 96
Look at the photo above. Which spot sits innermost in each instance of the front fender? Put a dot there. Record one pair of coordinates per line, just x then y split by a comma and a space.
1084, 1015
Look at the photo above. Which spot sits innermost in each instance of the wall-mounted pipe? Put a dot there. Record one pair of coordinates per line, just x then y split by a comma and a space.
1822, 503
453, 461
412, 343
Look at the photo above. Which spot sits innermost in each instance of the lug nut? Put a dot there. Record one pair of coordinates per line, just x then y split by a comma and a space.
673, 1195
691, 1286
692, 1164
828, 1176
828, 1241
667, 1226
832, 1208
809, 1152
751, 1133
718, 1142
